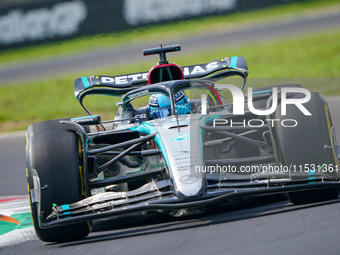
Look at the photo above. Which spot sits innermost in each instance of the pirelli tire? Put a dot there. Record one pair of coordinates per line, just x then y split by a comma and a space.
53, 151
309, 143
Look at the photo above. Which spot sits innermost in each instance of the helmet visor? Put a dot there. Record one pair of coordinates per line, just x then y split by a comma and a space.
161, 113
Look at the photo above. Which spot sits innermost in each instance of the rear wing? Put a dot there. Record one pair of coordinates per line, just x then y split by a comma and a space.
119, 85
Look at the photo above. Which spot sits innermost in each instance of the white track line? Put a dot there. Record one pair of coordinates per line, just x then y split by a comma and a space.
15, 206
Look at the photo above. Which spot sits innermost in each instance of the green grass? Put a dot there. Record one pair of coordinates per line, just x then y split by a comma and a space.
174, 30
309, 56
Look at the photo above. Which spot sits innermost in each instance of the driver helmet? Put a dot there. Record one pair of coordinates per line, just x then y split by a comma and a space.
160, 107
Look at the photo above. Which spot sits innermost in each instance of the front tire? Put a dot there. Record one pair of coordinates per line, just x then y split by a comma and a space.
54, 152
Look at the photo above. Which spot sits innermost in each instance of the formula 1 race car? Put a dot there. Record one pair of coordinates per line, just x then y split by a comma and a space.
177, 147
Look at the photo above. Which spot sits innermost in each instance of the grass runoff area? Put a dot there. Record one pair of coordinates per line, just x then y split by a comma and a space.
311, 56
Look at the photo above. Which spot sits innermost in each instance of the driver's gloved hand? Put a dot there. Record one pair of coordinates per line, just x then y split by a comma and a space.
182, 110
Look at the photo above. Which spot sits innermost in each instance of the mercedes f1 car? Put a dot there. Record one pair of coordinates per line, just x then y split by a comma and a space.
176, 146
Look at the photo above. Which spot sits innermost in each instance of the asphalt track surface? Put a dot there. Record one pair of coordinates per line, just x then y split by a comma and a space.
250, 227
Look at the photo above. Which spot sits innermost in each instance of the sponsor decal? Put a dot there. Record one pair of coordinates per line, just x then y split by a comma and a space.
201, 69
97, 191
161, 10
143, 116
63, 19
112, 195
196, 70
166, 100
124, 79
180, 138
141, 93
90, 119
186, 179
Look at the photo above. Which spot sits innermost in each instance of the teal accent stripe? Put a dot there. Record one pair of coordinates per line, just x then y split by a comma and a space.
86, 117
311, 174
85, 82
150, 129
66, 207
261, 92
233, 62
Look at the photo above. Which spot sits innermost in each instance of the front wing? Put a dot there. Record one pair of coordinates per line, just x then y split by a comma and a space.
159, 195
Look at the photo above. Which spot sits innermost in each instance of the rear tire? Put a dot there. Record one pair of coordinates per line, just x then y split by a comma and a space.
305, 144
261, 95
53, 151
